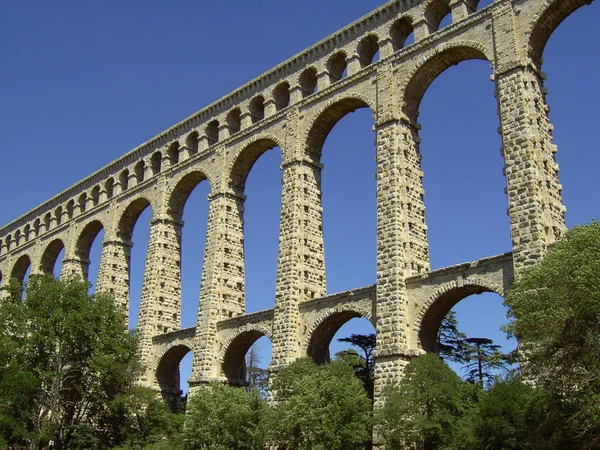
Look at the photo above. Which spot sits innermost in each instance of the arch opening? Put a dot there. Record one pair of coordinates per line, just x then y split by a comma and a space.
402, 33
308, 82
212, 132
156, 163
169, 380
173, 153
234, 121
89, 238
438, 14
140, 171
239, 364
367, 50
50, 258
21, 268
192, 140
257, 109
336, 66
281, 95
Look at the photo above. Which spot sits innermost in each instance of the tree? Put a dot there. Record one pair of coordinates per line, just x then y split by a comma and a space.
555, 312
450, 342
257, 377
420, 412
320, 407
483, 358
63, 356
223, 417
363, 364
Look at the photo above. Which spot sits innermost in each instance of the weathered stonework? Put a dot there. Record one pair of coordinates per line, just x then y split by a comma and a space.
294, 106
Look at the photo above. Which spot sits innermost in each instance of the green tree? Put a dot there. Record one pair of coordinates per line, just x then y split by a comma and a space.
320, 407
223, 417
363, 362
63, 356
450, 341
483, 359
257, 377
420, 412
555, 311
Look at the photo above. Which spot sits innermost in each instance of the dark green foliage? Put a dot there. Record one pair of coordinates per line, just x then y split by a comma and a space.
363, 362
420, 412
320, 407
450, 346
222, 417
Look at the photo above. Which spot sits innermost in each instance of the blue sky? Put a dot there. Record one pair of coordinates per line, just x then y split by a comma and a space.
83, 82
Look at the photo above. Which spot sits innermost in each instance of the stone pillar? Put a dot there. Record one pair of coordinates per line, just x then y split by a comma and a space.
422, 29
114, 270
222, 292
74, 266
534, 192
301, 260
460, 10
160, 303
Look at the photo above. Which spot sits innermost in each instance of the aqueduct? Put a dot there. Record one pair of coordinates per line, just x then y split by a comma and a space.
294, 106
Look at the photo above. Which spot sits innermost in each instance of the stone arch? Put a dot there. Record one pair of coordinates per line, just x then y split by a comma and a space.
400, 30
168, 376
281, 95
20, 268
183, 189
130, 216
546, 22
324, 327
435, 11
233, 364
367, 49
307, 80
328, 117
234, 120
50, 256
430, 315
257, 108
336, 65
212, 132
85, 241
440, 59
247, 157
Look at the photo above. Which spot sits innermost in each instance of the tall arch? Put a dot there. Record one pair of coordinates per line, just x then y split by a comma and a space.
84, 244
245, 160
426, 72
546, 22
50, 256
130, 216
168, 376
183, 190
20, 268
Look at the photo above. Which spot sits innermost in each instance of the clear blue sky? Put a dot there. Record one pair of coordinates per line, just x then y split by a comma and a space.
83, 82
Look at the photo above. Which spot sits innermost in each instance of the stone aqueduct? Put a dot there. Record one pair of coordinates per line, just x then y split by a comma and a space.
293, 107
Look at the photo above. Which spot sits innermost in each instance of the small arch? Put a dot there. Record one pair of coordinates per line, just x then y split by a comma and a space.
124, 180
281, 95
37, 223
367, 50
27, 232
50, 256
212, 132
86, 239
427, 71
9, 242
326, 120
109, 187
182, 191
257, 108
18, 238
58, 212
130, 217
336, 66
96, 195
246, 159
140, 171
308, 81
20, 268
156, 163
82, 202
173, 153
234, 120
322, 332
233, 365
435, 12
191, 141
168, 376
47, 221
400, 32
434, 311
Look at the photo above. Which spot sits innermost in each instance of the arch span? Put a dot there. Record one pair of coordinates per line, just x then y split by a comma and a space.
324, 328
433, 312
50, 256
247, 157
233, 365
168, 376
546, 22
328, 117
130, 216
424, 74
20, 268
182, 191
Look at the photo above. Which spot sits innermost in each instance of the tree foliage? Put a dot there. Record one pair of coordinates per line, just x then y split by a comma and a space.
555, 311
222, 417
320, 407
363, 362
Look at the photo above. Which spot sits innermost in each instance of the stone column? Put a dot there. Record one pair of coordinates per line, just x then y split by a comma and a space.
301, 260
160, 303
534, 192
74, 266
402, 247
114, 270
222, 292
